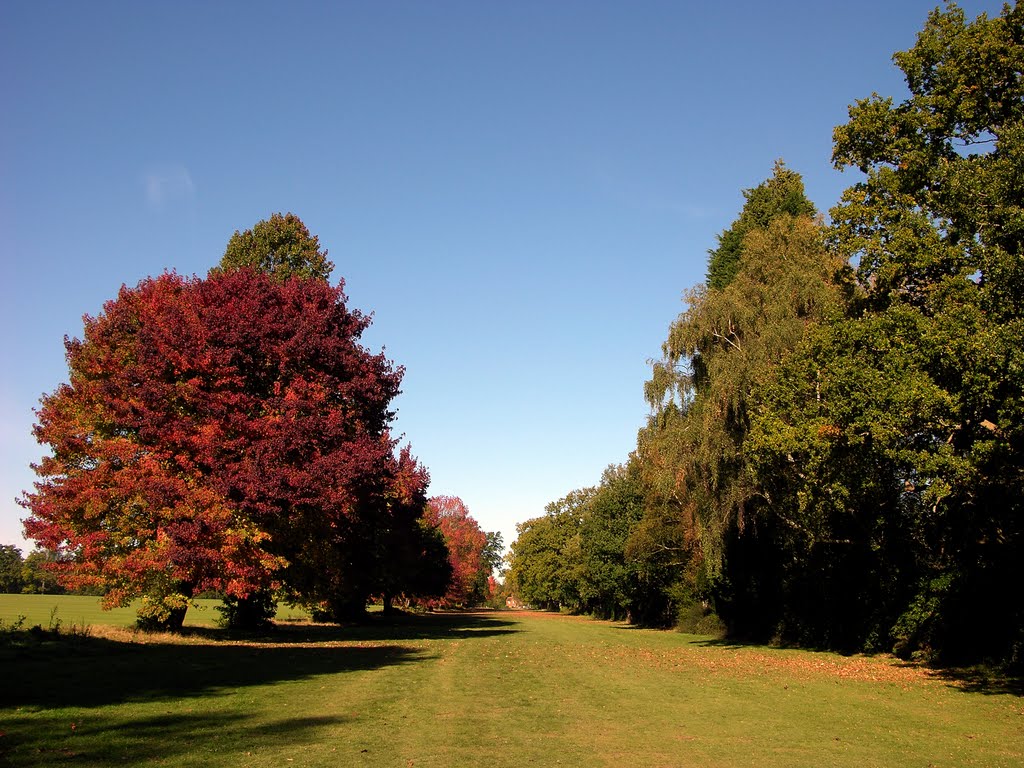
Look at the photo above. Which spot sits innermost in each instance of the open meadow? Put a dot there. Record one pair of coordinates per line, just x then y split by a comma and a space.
474, 689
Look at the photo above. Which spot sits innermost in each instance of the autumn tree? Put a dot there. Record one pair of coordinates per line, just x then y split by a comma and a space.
224, 434
470, 550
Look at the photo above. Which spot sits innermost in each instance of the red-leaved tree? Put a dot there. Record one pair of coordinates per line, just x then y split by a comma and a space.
466, 548
227, 433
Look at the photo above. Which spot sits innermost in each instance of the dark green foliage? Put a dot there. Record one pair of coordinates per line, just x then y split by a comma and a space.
608, 579
281, 246
782, 194
703, 502
11, 569
937, 227
418, 567
835, 453
254, 612
889, 445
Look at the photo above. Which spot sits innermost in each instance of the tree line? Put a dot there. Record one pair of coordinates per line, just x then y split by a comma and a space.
28, 574
230, 435
834, 455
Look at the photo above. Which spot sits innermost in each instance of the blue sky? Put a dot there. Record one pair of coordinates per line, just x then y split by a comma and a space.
519, 192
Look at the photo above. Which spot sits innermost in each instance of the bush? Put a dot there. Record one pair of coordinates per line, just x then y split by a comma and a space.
248, 613
698, 619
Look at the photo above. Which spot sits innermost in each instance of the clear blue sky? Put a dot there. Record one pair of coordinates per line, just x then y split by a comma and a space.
520, 191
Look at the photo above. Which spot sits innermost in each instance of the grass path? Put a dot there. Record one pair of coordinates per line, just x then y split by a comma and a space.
486, 689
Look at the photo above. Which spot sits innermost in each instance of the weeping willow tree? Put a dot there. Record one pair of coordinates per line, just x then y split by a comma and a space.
769, 280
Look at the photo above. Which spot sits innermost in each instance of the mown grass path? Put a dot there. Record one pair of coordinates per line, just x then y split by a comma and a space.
484, 689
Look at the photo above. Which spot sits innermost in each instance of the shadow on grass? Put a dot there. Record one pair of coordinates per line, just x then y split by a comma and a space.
981, 680
454, 625
990, 681
104, 739
92, 672
90, 700
83, 671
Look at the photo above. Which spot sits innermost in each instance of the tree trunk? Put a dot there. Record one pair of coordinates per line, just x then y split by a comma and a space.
176, 620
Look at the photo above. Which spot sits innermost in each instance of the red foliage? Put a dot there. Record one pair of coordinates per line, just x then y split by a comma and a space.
465, 541
223, 434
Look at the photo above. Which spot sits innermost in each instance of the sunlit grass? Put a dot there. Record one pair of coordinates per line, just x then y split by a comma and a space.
485, 689
80, 611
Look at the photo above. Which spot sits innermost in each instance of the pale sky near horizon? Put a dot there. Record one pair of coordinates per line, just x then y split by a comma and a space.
519, 192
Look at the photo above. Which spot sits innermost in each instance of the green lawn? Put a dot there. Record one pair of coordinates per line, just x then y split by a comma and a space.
484, 689
79, 611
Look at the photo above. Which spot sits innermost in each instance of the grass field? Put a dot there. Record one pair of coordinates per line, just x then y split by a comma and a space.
483, 689
79, 611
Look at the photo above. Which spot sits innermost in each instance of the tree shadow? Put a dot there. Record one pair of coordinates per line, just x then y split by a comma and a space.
454, 625
103, 739
990, 682
92, 672
50, 677
735, 644
84, 671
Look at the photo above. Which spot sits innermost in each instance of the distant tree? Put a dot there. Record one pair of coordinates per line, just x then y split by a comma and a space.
545, 560
38, 573
11, 566
608, 579
491, 559
467, 549
225, 434
280, 246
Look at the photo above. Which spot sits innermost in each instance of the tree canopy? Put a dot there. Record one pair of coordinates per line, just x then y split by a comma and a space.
472, 552
835, 452
281, 246
228, 434
782, 193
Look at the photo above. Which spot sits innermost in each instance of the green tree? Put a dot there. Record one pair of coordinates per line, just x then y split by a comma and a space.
720, 355
11, 566
281, 246
544, 562
891, 440
935, 230
783, 193
490, 563
38, 575
608, 581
